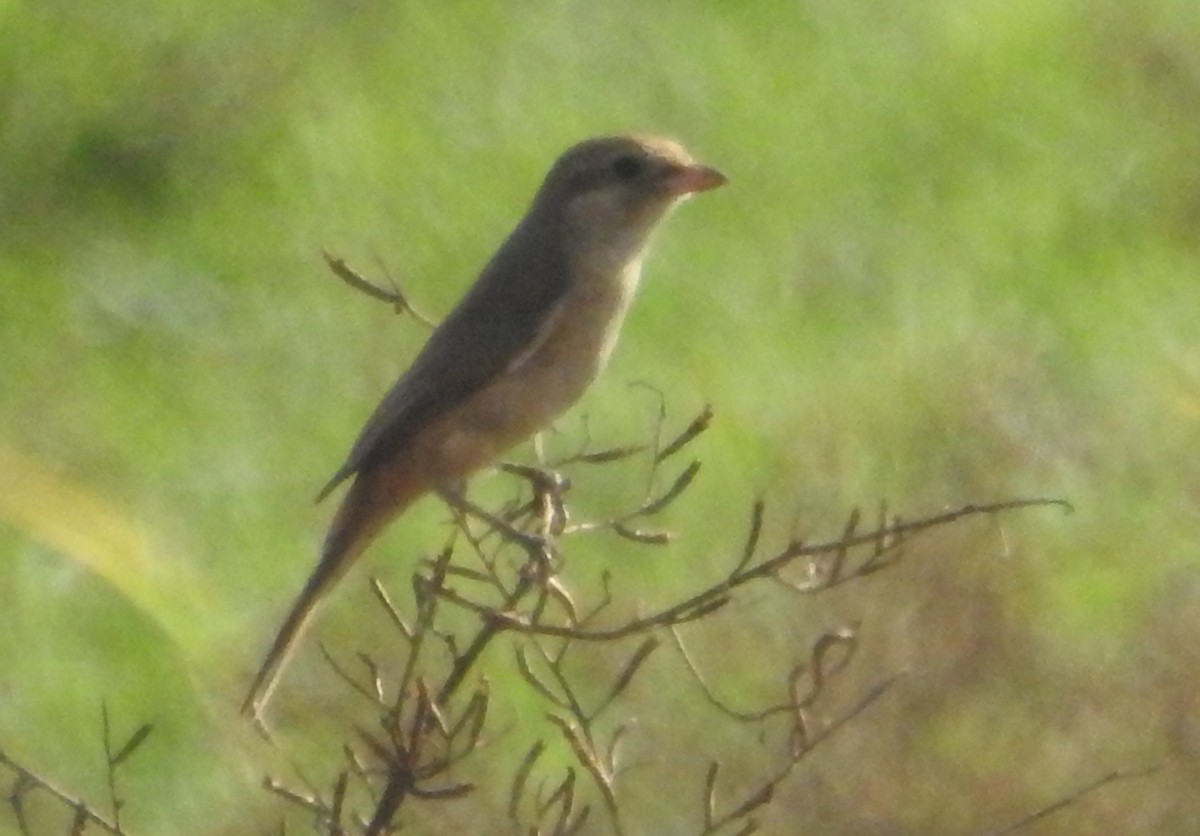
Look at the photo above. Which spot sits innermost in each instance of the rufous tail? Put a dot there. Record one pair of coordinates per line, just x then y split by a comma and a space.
362, 515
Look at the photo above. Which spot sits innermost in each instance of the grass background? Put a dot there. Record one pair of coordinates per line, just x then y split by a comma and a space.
957, 261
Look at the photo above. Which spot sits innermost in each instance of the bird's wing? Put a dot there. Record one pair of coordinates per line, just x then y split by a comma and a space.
500, 318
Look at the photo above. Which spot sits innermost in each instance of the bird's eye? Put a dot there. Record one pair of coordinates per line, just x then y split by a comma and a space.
627, 167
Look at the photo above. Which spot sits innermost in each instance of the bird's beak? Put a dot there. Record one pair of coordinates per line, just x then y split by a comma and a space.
689, 179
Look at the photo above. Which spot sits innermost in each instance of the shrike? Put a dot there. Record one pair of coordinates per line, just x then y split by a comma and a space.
520, 348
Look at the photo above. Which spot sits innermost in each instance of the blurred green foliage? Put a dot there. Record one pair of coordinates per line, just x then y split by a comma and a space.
957, 262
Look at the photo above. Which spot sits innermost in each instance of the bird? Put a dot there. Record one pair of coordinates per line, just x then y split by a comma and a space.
522, 345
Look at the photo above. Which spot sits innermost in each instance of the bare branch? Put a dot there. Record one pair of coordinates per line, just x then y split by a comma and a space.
424, 733
698, 425
585, 752
672, 493
84, 815
521, 780
1074, 798
564, 796
647, 538
335, 806
309, 802
526, 671
386, 600
132, 744
713, 597
356, 280
648, 646
756, 522
612, 454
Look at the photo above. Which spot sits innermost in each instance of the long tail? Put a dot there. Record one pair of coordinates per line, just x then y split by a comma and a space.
366, 509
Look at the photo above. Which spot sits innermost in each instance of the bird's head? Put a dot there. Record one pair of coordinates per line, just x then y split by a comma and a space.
608, 194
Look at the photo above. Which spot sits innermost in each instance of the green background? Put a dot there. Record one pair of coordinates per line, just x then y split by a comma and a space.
957, 261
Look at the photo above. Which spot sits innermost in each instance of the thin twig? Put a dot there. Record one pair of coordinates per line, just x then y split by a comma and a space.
1075, 798
717, 595
82, 811
357, 281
